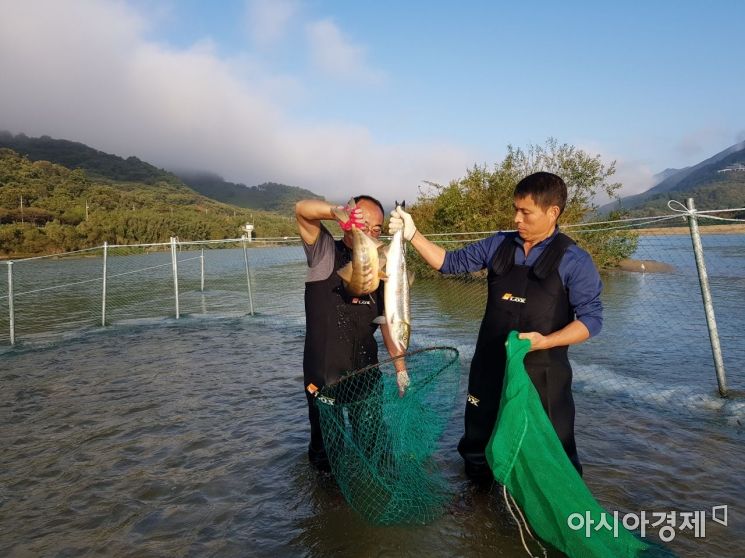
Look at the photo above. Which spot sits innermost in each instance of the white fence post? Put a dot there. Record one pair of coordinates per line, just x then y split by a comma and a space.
11, 310
174, 262
201, 262
103, 289
248, 276
703, 279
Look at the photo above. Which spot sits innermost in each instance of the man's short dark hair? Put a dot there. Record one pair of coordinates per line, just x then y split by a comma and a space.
545, 188
358, 199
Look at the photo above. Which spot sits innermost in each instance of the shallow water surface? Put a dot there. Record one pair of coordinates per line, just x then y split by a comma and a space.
188, 438
163, 437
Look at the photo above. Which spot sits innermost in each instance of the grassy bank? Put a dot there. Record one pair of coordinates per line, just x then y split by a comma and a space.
735, 228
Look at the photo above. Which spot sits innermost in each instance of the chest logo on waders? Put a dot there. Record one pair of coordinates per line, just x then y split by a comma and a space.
509, 297
473, 400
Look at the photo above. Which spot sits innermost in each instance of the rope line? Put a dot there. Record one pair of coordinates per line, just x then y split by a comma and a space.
674, 204
629, 226
678, 209
57, 255
57, 286
138, 270
521, 523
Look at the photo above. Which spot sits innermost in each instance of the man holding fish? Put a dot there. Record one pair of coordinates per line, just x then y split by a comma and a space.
344, 300
541, 284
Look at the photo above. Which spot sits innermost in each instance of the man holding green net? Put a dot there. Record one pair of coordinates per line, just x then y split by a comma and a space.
340, 333
540, 284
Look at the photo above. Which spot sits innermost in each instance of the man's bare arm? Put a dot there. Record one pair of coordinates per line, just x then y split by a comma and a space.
402, 221
433, 254
573, 333
309, 214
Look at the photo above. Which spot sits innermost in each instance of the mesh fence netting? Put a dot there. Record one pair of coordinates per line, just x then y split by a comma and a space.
382, 445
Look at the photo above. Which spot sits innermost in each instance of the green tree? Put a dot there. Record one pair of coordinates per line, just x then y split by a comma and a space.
482, 200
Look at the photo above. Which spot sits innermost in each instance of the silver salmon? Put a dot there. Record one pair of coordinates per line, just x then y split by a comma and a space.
396, 293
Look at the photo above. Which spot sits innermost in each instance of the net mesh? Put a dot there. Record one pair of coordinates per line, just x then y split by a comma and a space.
527, 457
382, 446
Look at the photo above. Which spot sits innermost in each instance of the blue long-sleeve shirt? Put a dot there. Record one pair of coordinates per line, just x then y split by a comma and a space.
577, 270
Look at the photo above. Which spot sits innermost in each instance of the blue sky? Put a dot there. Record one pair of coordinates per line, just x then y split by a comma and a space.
343, 97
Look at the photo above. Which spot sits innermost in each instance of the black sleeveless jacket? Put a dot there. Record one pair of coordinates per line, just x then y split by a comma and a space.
339, 330
526, 298
523, 298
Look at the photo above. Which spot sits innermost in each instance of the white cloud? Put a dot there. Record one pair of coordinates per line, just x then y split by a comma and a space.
635, 176
335, 55
267, 20
106, 85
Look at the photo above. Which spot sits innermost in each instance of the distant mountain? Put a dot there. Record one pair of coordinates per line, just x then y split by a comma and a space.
74, 155
100, 165
715, 183
269, 196
713, 163
660, 176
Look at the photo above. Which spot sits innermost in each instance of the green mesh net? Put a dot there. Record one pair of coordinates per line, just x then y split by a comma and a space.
381, 445
527, 457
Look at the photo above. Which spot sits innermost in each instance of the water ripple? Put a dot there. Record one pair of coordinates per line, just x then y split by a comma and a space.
163, 440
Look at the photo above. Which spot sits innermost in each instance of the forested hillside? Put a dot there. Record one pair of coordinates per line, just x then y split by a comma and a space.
269, 196
48, 208
75, 155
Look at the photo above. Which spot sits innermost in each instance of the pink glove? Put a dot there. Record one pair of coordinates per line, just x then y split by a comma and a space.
353, 217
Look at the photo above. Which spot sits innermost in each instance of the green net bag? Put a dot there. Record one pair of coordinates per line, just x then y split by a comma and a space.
381, 445
526, 456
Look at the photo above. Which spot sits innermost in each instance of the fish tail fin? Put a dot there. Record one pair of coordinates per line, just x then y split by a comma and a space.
341, 215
